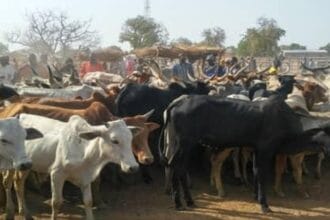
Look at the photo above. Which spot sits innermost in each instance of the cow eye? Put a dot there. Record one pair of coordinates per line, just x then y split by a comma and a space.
4, 141
115, 141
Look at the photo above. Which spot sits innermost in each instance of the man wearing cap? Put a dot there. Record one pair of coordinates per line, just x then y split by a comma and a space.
181, 69
213, 68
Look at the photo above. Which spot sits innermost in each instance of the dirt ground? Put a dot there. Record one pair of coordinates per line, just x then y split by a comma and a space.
148, 202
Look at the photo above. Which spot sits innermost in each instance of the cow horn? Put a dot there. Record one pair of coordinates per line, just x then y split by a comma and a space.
124, 81
210, 78
191, 78
149, 113
100, 84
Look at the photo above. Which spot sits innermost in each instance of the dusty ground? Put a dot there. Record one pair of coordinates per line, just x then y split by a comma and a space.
148, 202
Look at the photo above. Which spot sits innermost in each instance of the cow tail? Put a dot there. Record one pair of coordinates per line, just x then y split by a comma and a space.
161, 142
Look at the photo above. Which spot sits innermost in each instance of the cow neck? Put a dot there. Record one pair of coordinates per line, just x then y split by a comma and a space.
94, 157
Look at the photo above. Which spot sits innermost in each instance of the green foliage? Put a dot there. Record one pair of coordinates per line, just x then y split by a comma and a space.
143, 32
213, 37
182, 41
326, 47
261, 40
3, 48
293, 46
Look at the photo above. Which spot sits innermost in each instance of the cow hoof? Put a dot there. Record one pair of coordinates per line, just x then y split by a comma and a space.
29, 218
317, 176
179, 208
306, 195
266, 210
147, 179
191, 204
102, 206
221, 195
280, 194
9, 217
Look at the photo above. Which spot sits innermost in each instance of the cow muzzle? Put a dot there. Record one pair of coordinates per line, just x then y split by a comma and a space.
129, 168
146, 160
24, 166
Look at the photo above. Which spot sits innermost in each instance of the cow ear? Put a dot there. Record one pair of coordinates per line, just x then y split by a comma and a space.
152, 126
89, 135
32, 133
135, 130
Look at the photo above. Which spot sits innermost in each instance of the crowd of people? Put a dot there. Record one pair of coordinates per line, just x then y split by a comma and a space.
11, 73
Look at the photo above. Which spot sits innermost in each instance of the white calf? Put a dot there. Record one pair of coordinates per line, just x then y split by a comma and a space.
77, 153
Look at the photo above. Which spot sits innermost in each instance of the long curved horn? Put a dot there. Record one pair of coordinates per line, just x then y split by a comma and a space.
157, 72
149, 113
210, 78
123, 81
191, 78
100, 84
264, 70
240, 71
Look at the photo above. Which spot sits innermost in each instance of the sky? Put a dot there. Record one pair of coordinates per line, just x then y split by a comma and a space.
306, 22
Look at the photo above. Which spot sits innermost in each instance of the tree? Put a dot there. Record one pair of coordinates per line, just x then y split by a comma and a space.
50, 31
293, 46
213, 37
262, 40
143, 32
3, 48
182, 41
326, 47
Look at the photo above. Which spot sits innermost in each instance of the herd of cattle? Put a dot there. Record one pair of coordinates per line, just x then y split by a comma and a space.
72, 133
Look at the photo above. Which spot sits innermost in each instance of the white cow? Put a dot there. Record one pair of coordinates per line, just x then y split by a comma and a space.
69, 92
107, 78
76, 151
12, 150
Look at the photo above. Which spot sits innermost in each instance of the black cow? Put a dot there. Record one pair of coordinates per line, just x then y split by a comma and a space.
260, 89
269, 127
7, 92
136, 98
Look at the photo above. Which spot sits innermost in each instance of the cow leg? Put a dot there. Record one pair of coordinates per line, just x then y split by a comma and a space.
185, 188
296, 162
145, 174
8, 179
168, 178
2, 193
305, 169
245, 158
57, 182
280, 165
217, 162
176, 190
88, 202
319, 164
263, 164
96, 189
237, 172
19, 185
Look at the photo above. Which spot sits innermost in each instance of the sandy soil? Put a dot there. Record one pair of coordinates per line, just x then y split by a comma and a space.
148, 202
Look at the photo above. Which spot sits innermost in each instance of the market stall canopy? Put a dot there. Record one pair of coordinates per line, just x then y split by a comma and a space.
192, 52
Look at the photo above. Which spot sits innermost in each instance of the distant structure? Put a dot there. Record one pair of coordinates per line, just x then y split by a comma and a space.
294, 58
305, 53
147, 8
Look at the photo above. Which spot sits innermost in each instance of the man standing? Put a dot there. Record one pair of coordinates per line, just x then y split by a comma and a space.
90, 66
181, 69
7, 71
213, 68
